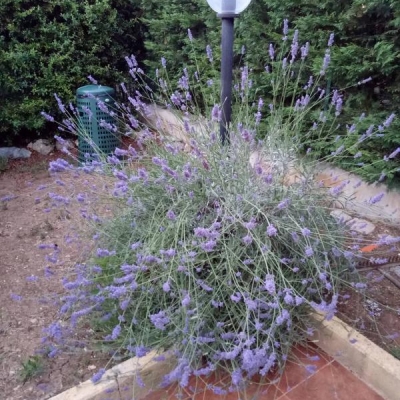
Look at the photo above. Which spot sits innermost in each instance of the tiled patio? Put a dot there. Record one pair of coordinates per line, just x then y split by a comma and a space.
311, 375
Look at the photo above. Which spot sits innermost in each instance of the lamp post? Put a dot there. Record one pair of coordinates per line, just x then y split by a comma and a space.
227, 10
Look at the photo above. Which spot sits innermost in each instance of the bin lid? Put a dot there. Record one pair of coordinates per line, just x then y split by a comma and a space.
95, 90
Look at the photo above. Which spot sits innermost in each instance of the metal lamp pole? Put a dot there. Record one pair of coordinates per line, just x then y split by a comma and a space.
227, 10
228, 21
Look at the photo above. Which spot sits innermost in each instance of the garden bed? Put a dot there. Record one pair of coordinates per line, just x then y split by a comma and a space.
24, 226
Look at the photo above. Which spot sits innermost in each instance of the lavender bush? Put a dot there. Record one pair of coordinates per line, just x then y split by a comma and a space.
218, 253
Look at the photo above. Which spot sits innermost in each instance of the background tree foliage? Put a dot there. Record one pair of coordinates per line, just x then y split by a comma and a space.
367, 44
51, 46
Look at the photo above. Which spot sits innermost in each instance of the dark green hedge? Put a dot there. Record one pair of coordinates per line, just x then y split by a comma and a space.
49, 46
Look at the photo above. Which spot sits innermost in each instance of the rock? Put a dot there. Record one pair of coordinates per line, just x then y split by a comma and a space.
361, 226
396, 270
356, 194
170, 125
42, 146
68, 144
355, 224
14, 152
285, 169
341, 216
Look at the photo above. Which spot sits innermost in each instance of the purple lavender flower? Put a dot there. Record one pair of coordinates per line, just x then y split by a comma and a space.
183, 82
376, 199
105, 253
216, 113
190, 36
159, 320
271, 230
269, 284
251, 304
237, 377
364, 81
236, 297
311, 369
171, 215
204, 286
304, 52
288, 299
309, 252
285, 29
98, 375
305, 232
251, 224
15, 297
116, 332
166, 287
389, 120
186, 300
60, 104
244, 78
338, 106
209, 245
163, 62
92, 80
331, 39
282, 317
209, 53
325, 62
294, 46
247, 240
395, 153
271, 52
283, 204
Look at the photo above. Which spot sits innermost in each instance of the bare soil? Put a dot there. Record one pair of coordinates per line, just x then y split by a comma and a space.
28, 290
25, 223
375, 312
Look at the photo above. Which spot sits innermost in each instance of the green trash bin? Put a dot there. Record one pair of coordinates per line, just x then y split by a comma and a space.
95, 121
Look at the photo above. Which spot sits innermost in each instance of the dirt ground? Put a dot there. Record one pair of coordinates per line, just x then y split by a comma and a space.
375, 312
29, 285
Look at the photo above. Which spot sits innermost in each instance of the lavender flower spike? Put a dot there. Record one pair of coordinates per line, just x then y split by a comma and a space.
389, 120
92, 80
376, 199
269, 284
271, 51
98, 375
46, 116
209, 53
394, 154
325, 63
285, 29
331, 40
271, 230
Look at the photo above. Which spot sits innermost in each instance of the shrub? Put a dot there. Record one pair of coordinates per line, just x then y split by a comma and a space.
52, 46
209, 256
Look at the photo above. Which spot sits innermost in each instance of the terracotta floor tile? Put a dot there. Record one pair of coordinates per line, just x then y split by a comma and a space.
333, 382
172, 392
198, 390
303, 363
